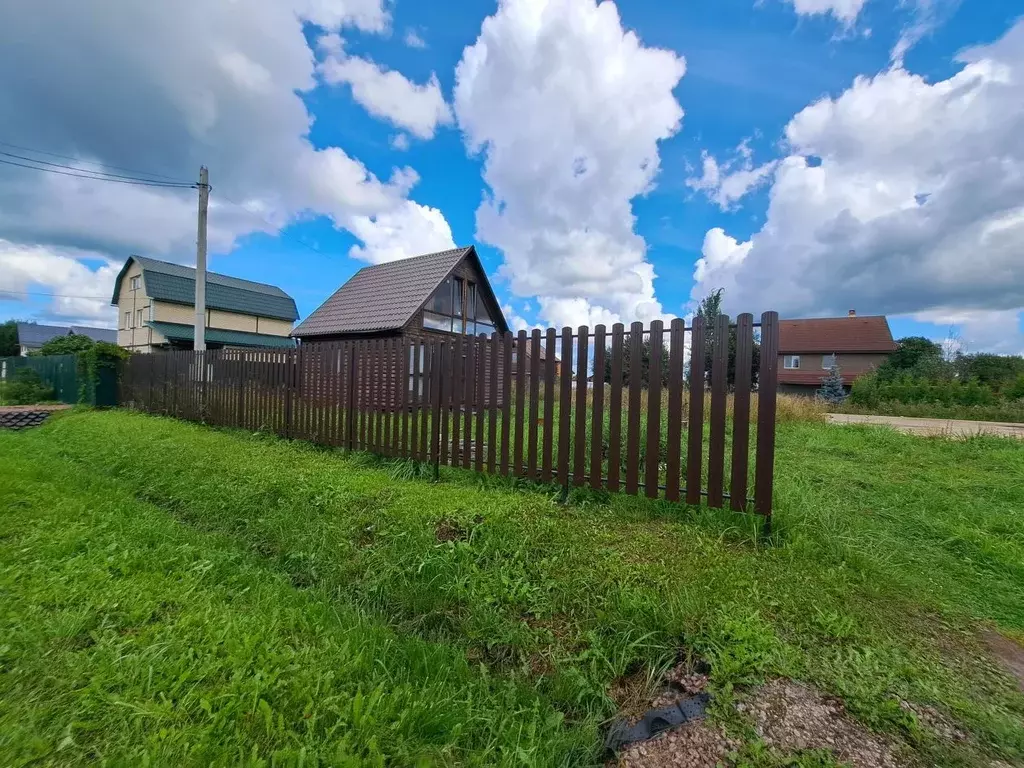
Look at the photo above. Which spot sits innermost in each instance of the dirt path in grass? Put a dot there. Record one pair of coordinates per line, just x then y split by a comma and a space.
951, 427
1008, 652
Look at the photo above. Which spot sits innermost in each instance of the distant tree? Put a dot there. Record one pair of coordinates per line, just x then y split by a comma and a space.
70, 344
912, 350
995, 371
9, 339
832, 390
953, 346
710, 308
1015, 391
915, 356
644, 363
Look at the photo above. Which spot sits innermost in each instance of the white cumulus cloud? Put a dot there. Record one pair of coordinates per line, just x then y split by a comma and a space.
167, 87
567, 109
414, 40
729, 182
978, 330
845, 11
386, 237
900, 196
387, 94
82, 293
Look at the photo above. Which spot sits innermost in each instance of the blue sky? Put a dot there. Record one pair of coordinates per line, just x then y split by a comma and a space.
751, 68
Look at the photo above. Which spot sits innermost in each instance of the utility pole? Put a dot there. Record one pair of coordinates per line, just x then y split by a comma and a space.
199, 342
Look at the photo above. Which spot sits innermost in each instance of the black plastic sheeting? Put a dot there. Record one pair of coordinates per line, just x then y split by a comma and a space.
656, 721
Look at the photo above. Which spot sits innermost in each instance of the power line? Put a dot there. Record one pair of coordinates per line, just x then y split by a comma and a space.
85, 173
90, 162
86, 170
53, 295
138, 182
66, 170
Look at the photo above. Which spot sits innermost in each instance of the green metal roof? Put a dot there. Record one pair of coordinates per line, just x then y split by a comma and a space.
181, 332
176, 284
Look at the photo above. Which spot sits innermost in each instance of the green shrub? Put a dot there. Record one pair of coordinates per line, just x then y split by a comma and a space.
25, 388
69, 344
911, 391
1016, 390
101, 354
91, 356
864, 390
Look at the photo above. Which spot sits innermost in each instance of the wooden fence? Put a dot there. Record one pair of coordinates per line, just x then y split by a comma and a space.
468, 402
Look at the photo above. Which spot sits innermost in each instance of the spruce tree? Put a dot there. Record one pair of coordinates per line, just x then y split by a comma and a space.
832, 387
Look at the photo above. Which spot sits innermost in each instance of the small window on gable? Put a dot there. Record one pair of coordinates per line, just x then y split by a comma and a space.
441, 302
136, 282
792, 362
484, 323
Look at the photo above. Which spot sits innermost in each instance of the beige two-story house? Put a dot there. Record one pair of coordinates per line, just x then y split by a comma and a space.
155, 303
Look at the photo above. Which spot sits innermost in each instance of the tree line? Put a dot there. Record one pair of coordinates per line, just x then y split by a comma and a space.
921, 371
709, 309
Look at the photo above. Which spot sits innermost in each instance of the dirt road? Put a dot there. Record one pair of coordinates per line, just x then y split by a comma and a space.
952, 427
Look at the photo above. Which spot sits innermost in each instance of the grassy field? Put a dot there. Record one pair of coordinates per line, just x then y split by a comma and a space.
176, 595
372, 429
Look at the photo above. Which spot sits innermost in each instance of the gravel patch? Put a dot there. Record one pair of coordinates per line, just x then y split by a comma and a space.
697, 744
936, 722
790, 717
633, 697
694, 745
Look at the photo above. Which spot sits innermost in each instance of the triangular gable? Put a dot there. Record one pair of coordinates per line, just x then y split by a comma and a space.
386, 297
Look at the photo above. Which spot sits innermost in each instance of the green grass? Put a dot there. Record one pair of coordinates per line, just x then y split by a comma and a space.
191, 596
309, 419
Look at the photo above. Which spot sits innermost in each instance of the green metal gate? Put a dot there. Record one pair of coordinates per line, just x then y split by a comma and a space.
57, 371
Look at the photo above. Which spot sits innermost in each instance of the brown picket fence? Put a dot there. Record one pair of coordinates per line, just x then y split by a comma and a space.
521, 406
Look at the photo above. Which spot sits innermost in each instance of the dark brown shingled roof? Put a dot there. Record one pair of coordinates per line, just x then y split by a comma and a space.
835, 334
382, 297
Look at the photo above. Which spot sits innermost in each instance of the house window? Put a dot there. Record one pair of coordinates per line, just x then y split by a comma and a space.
136, 282
128, 319
791, 362
417, 364
140, 317
437, 314
458, 297
437, 322
456, 307
828, 362
483, 324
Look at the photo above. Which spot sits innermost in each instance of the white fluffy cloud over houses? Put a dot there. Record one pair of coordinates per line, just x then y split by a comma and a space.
171, 86
566, 108
900, 195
